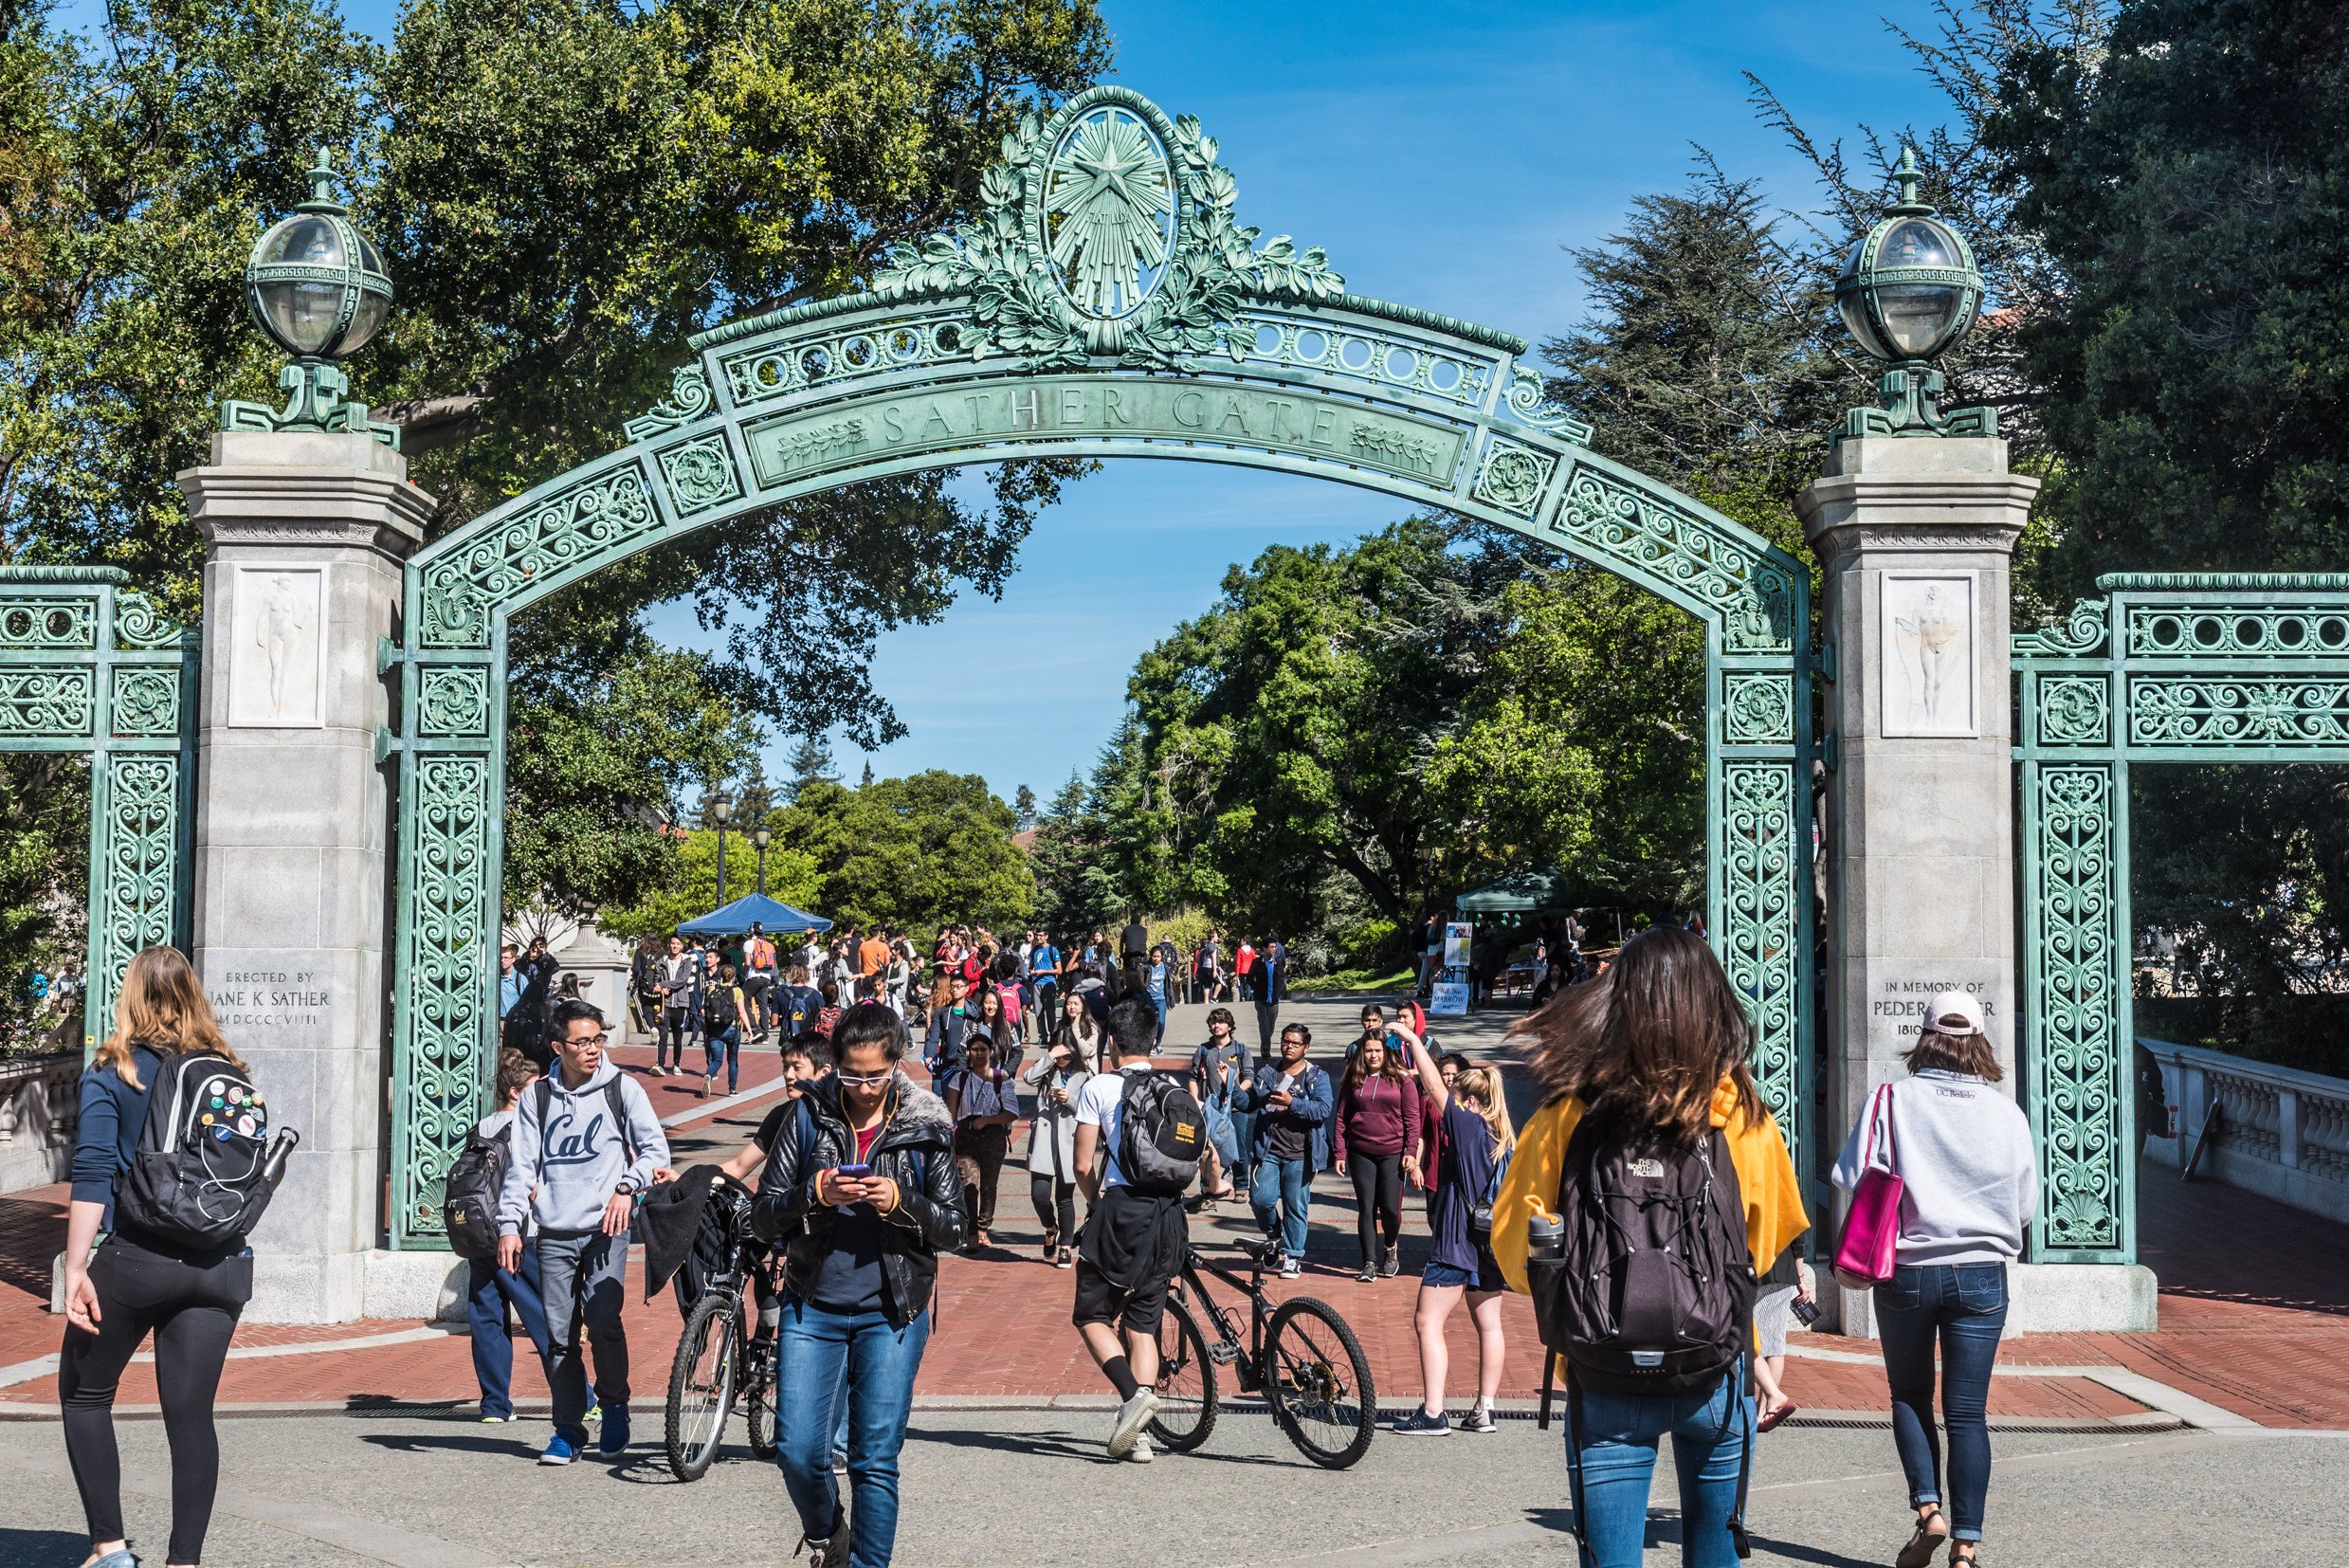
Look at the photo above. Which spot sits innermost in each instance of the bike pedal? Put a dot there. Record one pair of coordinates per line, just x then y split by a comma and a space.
1223, 1352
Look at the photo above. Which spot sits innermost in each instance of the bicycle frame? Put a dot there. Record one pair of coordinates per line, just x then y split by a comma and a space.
1250, 1365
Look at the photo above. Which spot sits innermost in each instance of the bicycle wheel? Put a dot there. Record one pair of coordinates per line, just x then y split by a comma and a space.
702, 1385
1186, 1385
1319, 1383
759, 1398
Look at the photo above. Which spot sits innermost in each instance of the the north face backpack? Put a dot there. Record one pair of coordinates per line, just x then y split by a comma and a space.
1654, 1288
1161, 1134
469, 1198
199, 1174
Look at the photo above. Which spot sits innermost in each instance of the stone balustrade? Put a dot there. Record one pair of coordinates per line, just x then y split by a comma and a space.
38, 1106
2280, 1132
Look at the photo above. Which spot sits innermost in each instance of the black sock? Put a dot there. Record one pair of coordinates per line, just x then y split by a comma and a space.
1121, 1375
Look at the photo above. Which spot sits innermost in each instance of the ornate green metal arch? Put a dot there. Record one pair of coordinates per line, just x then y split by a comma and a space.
2168, 667
88, 665
1106, 304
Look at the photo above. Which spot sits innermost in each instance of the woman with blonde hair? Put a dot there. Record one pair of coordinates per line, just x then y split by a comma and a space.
1478, 1137
1650, 1059
137, 1283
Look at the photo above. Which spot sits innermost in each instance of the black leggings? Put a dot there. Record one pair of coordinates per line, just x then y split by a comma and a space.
1377, 1200
1056, 1205
191, 1309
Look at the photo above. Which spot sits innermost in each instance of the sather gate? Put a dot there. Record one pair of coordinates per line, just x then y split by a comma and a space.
1106, 302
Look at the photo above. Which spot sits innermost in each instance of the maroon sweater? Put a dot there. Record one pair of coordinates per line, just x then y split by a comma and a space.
1378, 1116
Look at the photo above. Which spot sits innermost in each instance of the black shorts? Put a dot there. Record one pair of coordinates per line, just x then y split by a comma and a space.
1100, 1302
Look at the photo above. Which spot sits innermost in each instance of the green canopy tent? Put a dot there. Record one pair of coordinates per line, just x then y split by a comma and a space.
1543, 889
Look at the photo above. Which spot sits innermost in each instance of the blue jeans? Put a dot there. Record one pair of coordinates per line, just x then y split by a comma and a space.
822, 1358
493, 1292
1964, 1307
1244, 1134
1283, 1190
1709, 1437
725, 1046
583, 1281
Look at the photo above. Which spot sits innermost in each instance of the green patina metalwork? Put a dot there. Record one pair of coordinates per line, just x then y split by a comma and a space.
1909, 292
1077, 315
2167, 667
88, 665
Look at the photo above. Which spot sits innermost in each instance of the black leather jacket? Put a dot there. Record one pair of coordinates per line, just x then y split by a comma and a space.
915, 1151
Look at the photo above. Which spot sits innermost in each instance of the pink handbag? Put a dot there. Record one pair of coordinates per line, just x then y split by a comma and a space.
1869, 1245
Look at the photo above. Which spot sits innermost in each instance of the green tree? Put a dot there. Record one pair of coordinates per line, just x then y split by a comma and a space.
689, 886
1075, 863
912, 852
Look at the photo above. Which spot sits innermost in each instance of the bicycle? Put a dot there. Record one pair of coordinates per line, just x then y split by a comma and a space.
1300, 1355
717, 1359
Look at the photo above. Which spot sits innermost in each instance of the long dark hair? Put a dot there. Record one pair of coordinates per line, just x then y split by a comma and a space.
1389, 1065
1645, 1043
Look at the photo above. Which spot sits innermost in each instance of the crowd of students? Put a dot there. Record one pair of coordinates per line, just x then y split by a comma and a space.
864, 1177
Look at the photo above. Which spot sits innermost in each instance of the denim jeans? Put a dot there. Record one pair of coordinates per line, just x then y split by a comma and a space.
1283, 1190
1964, 1307
493, 1292
1244, 1137
583, 1281
1709, 1437
822, 1358
725, 1047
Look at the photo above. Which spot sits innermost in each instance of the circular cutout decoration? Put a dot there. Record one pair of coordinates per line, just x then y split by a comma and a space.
1108, 212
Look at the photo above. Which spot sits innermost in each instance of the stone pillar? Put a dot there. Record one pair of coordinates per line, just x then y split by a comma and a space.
307, 532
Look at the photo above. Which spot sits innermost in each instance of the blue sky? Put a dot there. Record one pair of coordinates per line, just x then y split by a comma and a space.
1442, 154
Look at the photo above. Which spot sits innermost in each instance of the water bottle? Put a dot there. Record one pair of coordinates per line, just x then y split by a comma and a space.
1545, 1236
273, 1167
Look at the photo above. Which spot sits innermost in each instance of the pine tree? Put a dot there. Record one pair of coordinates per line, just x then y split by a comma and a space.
811, 761
1025, 803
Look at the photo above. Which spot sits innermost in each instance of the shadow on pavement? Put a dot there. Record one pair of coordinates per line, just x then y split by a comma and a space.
42, 1548
1664, 1530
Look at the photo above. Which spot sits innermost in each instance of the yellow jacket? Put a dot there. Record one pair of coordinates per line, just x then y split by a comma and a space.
1773, 1201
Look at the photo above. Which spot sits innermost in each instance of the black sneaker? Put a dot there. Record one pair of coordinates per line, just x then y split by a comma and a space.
1478, 1419
1368, 1273
1394, 1265
1420, 1424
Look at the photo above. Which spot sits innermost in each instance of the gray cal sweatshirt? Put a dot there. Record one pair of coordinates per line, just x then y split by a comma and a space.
1963, 1154
585, 1156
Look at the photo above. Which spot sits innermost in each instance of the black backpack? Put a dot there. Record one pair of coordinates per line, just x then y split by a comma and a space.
1653, 1291
469, 1198
1161, 1134
199, 1174
720, 1012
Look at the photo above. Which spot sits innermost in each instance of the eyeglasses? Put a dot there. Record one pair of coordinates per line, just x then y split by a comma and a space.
598, 1041
866, 1082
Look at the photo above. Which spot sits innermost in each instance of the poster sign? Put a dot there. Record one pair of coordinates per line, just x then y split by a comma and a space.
1448, 996
1447, 999
1456, 938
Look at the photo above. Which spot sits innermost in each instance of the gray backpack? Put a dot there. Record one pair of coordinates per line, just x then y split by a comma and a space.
1161, 1134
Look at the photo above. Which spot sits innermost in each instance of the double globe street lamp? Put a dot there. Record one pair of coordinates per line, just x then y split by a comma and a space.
1909, 292
317, 287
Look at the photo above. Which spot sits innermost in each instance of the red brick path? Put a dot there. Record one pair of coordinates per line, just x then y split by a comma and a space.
2254, 1311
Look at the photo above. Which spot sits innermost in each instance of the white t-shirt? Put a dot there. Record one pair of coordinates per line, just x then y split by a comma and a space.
1101, 1104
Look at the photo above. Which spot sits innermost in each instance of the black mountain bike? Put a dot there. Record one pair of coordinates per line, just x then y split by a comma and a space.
718, 1362
1300, 1355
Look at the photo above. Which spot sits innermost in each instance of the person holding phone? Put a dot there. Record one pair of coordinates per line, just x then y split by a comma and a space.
1786, 1292
1059, 1078
860, 1205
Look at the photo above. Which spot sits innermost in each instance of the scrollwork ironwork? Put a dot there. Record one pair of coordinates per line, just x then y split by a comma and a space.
2268, 712
1759, 708
135, 884
146, 701
448, 905
1759, 942
2080, 634
453, 702
2075, 1073
1513, 476
2074, 710
1614, 520
594, 517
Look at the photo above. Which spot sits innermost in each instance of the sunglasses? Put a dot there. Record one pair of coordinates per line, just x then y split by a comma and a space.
865, 1082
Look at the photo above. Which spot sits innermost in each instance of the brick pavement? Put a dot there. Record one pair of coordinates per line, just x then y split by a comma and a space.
2254, 1305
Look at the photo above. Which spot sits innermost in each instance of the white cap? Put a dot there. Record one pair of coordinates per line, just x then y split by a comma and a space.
1955, 1013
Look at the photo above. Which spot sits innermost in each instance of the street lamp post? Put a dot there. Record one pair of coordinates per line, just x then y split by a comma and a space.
721, 808
1909, 292
761, 836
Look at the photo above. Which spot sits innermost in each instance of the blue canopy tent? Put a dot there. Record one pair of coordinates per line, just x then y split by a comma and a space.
739, 916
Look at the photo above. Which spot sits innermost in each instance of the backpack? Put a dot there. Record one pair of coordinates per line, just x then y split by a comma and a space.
1654, 1288
469, 1198
199, 1174
720, 1010
1161, 1134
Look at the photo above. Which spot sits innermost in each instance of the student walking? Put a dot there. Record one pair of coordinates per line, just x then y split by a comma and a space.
1219, 1077
861, 1214
585, 1145
1475, 1117
1272, 991
982, 1102
141, 1282
680, 988
758, 981
725, 1013
950, 1016
496, 1297
1971, 1184
1292, 1100
1376, 1125
1653, 1121
1136, 1236
1059, 1078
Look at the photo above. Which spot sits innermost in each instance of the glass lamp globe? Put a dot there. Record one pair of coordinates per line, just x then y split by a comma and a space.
1909, 290
315, 283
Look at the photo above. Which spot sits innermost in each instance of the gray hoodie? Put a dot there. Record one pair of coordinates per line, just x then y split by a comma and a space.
1963, 1154
584, 1156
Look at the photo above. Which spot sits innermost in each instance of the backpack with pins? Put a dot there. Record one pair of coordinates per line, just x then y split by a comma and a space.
204, 1169
1652, 1289
469, 1198
1161, 1134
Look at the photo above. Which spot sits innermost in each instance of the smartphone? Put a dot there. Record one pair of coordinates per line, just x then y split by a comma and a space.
1807, 1311
854, 1173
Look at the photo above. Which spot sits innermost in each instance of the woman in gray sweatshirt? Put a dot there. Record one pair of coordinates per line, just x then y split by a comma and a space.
1971, 1182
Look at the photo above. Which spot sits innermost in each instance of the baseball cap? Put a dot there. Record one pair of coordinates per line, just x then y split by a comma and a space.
1955, 1013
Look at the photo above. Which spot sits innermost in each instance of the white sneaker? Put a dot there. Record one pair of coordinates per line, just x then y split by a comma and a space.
1291, 1269
1133, 1416
1143, 1454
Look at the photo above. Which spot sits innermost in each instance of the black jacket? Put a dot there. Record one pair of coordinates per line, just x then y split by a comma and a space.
917, 1152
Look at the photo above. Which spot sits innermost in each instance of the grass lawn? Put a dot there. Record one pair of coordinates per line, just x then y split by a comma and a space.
1358, 979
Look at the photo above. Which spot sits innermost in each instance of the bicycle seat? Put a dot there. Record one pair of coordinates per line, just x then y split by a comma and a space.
1262, 1252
